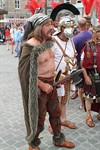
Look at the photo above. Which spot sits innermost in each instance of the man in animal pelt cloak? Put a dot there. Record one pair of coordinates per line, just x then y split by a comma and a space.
36, 74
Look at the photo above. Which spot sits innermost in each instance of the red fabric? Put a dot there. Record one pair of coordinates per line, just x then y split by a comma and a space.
97, 7
87, 5
32, 5
7, 32
54, 4
88, 61
12, 41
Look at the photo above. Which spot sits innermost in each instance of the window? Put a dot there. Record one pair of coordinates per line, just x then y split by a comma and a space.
17, 4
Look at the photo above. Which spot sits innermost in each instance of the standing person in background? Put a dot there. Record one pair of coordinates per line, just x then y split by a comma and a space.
55, 24
2, 31
36, 74
17, 39
12, 31
90, 61
1, 38
79, 41
89, 24
7, 36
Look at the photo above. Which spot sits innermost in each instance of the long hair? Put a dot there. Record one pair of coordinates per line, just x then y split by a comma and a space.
27, 30
37, 33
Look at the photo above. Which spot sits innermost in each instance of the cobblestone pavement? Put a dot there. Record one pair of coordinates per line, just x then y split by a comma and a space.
12, 128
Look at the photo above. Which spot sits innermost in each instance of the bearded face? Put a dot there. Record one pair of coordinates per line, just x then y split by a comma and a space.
96, 36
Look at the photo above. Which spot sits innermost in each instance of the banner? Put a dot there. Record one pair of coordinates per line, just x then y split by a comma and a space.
97, 7
87, 6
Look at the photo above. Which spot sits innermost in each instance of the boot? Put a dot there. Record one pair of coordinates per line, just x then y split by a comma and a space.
66, 144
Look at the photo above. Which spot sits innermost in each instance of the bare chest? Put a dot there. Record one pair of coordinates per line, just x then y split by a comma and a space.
46, 56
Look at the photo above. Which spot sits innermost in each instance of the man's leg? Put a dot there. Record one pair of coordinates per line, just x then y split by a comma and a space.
89, 120
34, 145
81, 98
54, 111
63, 101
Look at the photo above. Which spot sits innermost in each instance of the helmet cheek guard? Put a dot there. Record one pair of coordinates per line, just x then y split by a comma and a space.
66, 22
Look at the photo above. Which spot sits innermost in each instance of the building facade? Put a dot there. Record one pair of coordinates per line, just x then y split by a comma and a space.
15, 8
74, 2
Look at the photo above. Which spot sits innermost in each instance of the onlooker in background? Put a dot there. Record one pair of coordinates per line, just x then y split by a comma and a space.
7, 36
88, 22
12, 31
79, 41
76, 30
2, 31
17, 39
1, 38
55, 24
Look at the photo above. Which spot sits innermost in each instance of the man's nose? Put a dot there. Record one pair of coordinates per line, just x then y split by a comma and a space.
51, 27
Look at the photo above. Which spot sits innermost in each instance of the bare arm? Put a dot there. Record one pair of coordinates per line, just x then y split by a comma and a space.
86, 76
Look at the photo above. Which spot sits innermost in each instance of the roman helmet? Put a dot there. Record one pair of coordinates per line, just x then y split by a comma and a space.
66, 22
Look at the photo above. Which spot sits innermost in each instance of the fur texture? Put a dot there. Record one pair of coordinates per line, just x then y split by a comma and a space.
60, 139
33, 88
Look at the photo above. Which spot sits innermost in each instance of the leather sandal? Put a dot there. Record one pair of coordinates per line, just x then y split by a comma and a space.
66, 144
74, 95
98, 117
68, 124
89, 121
35, 148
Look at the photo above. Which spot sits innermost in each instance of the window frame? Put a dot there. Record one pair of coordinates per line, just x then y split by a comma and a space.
17, 4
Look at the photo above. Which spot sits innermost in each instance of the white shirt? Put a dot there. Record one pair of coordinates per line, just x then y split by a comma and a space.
12, 31
70, 51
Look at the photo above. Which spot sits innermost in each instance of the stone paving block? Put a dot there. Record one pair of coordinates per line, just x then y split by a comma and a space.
93, 141
76, 142
10, 148
81, 139
11, 142
92, 132
3, 145
20, 144
82, 131
7, 137
75, 134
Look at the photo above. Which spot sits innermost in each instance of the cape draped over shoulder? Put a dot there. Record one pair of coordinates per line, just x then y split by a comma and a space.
27, 70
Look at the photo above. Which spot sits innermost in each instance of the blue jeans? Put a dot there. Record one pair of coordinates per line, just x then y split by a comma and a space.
17, 48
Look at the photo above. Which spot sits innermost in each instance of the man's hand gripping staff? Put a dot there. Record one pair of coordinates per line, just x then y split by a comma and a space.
72, 76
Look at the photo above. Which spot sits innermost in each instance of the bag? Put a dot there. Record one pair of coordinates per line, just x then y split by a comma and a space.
96, 80
97, 84
7, 38
61, 90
